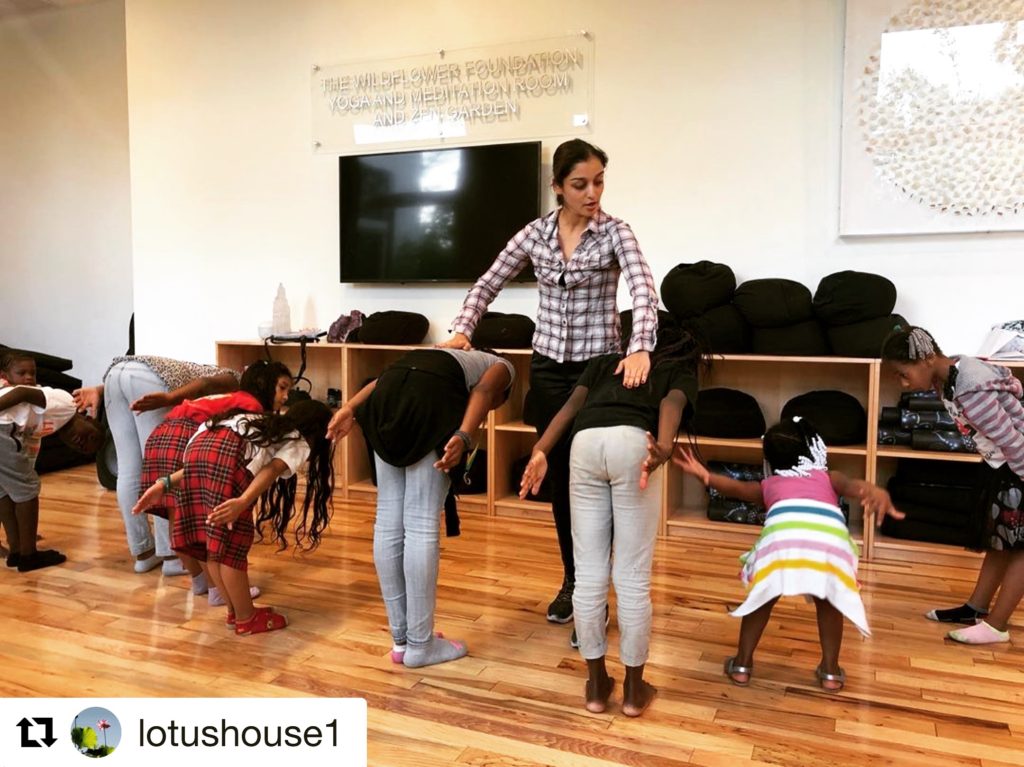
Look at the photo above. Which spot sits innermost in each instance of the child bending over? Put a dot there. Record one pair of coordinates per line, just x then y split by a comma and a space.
233, 461
985, 401
612, 486
805, 548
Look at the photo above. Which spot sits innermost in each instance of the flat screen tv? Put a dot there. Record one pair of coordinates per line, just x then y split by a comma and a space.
435, 215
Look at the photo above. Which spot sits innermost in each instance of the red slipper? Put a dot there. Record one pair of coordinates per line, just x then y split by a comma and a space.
264, 619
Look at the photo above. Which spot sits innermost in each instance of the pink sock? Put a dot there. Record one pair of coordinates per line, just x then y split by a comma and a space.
979, 633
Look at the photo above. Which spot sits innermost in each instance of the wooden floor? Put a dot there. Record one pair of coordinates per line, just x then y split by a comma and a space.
92, 627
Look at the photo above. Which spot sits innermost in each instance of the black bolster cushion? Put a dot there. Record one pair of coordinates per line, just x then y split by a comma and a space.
839, 417
727, 413
691, 289
804, 339
862, 339
394, 327
846, 297
773, 303
665, 320
725, 330
504, 331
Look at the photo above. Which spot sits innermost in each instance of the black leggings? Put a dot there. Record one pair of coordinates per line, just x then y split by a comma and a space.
551, 383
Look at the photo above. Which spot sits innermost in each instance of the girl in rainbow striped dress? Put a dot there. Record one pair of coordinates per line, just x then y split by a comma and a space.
805, 547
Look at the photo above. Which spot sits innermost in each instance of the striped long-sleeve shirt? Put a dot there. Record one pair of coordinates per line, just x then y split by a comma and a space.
577, 316
985, 400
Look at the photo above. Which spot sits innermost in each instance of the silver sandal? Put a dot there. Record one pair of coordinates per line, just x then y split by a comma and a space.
823, 677
731, 668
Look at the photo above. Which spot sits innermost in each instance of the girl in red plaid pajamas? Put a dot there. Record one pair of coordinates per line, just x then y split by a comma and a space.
233, 461
264, 387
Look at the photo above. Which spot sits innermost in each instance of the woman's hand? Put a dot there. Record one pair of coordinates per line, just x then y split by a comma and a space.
685, 460
87, 399
656, 456
452, 454
533, 474
634, 369
150, 498
341, 423
153, 401
226, 513
457, 341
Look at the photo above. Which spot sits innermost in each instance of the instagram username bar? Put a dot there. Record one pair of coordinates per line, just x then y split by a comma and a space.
160, 732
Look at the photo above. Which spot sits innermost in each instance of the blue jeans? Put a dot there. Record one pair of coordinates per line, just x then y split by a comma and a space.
605, 490
125, 383
407, 545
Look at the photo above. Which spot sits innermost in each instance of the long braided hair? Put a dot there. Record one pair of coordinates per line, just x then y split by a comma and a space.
309, 418
911, 344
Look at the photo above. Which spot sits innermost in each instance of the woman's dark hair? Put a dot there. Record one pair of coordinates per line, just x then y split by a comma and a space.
787, 442
260, 380
909, 345
309, 418
568, 155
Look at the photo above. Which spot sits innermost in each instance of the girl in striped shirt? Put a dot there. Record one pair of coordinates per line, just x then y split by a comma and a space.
805, 548
985, 401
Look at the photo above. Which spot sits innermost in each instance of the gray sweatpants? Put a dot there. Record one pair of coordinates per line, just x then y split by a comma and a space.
604, 487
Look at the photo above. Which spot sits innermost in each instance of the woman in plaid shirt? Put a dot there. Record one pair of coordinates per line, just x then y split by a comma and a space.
985, 401
577, 252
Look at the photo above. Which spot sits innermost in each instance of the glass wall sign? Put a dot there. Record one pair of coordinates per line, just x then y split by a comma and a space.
524, 90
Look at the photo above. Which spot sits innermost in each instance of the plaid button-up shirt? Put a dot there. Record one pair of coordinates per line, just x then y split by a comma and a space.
577, 317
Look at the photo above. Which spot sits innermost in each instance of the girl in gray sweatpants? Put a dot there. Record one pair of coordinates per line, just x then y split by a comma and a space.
613, 487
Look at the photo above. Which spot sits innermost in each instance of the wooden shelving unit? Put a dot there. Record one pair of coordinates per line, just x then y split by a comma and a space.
773, 381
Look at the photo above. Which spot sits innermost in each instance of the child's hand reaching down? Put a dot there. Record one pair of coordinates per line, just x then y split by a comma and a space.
656, 456
686, 461
876, 501
534, 474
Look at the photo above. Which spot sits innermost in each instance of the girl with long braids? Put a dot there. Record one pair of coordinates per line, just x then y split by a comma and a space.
613, 486
234, 460
985, 401
805, 548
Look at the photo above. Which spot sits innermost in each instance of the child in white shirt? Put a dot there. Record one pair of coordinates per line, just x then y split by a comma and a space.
27, 414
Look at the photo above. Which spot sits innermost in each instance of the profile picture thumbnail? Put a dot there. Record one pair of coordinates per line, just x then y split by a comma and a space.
95, 732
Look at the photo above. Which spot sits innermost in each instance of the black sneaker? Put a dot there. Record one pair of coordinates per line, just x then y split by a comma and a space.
574, 641
560, 609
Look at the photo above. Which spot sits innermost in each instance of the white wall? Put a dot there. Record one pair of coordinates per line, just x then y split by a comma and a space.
65, 214
721, 118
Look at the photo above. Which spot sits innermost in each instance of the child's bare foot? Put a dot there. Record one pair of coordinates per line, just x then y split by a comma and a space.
598, 691
637, 697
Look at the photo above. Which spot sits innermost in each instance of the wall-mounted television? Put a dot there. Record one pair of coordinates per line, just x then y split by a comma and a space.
435, 215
